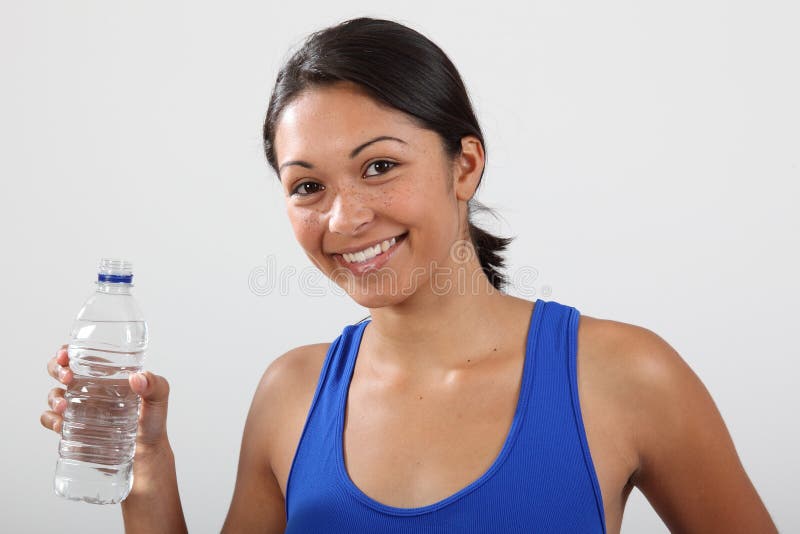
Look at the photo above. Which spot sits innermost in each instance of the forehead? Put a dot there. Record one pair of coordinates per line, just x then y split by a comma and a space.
335, 119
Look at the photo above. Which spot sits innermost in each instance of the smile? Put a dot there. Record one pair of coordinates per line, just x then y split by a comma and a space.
370, 252
370, 258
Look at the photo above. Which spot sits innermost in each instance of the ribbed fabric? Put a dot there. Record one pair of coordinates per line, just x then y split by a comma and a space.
543, 480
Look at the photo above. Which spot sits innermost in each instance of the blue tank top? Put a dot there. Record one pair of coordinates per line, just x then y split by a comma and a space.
543, 479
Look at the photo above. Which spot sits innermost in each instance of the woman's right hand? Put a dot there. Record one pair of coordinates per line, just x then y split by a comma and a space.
153, 389
153, 504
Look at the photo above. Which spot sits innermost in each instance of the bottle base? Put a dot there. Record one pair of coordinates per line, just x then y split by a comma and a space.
93, 483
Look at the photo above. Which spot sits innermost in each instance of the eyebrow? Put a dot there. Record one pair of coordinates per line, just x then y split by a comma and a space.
356, 151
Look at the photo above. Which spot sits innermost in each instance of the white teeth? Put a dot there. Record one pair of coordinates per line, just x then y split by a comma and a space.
369, 252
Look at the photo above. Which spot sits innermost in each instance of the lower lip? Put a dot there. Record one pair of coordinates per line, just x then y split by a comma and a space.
373, 264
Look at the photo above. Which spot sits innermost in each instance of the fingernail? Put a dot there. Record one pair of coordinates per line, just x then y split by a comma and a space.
62, 373
58, 403
141, 380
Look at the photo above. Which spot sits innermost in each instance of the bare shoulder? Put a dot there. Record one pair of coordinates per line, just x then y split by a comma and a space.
629, 354
642, 376
687, 465
612, 358
283, 398
645, 373
294, 372
271, 433
287, 386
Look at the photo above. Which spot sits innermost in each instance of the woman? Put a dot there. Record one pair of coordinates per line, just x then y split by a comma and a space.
455, 407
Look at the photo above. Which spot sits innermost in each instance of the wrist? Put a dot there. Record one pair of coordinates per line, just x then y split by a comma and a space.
153, 469
153, 451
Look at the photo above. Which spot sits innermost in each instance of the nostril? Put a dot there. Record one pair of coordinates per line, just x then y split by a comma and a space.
348, 214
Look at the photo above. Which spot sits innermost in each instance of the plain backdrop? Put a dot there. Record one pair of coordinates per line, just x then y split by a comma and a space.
644, 154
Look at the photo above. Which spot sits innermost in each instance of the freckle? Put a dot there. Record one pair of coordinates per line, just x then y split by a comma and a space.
469, 361
494, 349
420, 397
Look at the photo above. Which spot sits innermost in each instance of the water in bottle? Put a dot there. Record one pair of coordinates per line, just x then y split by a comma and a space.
98, 436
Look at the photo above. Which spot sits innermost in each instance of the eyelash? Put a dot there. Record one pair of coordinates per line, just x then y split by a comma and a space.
392, 165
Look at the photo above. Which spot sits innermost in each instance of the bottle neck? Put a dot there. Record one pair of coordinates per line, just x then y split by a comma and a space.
114, 288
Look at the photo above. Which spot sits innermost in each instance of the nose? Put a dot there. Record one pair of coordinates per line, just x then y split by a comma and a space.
348, 213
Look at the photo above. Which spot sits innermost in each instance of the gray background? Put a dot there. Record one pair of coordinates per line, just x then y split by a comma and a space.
645, 154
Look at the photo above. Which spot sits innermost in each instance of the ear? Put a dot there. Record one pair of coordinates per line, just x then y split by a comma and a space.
468, 167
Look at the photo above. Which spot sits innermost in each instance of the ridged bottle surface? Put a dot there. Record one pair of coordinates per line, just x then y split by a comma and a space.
98, 436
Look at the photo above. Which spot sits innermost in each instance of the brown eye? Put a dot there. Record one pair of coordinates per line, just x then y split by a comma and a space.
381, 166
305, 189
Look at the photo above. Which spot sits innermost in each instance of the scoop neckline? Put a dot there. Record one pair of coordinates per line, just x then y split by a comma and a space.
519, 414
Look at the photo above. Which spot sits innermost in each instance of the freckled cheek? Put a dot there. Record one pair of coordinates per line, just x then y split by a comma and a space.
307, 227
429, 210
407, 203
387, 199
411, 215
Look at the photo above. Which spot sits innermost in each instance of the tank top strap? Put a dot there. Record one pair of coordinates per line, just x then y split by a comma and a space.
318, 441
554, 425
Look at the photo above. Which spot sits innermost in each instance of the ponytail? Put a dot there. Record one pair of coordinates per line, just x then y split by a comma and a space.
488, 247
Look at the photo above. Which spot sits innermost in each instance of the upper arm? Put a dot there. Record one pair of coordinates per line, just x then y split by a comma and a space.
689, 469
280, 399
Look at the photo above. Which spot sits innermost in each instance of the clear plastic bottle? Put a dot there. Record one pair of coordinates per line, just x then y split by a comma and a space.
98, 436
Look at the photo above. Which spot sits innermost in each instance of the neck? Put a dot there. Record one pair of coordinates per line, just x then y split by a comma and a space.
440, 330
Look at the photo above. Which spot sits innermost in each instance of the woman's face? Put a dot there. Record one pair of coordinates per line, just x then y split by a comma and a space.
357, 174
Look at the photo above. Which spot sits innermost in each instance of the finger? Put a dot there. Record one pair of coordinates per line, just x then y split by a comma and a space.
56, 400
62, 356
58, 366
60, 372
52, 421
52, 367
154, 389
64, 375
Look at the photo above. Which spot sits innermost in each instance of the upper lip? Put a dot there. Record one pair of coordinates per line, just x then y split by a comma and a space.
359, 248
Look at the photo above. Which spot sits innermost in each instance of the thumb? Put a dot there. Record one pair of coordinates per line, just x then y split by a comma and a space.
154, 390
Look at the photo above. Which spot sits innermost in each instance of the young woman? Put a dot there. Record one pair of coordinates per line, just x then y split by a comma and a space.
454, 407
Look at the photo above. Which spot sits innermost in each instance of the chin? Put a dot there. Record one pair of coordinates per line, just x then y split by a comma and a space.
375, 294
377, 300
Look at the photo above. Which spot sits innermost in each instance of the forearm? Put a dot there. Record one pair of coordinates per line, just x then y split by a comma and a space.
154, 505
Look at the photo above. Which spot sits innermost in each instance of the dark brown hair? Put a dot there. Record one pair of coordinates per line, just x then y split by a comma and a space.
402, 68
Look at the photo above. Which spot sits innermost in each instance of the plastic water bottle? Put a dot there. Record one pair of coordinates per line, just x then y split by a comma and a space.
98, 436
